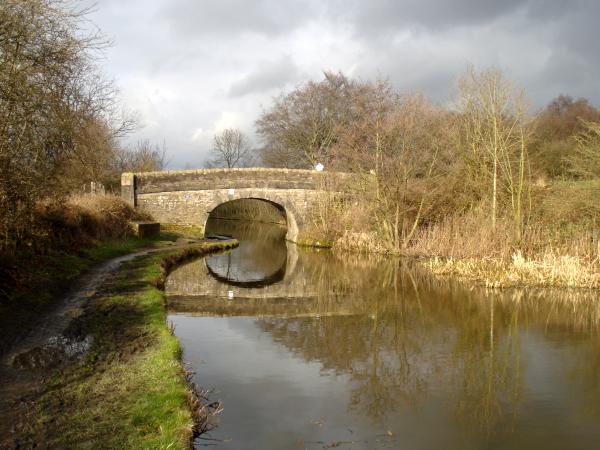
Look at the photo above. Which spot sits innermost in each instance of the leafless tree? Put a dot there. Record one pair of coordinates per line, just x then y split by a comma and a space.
555, 129
584, 161
299, 130
142, 157
231, 148
496, 136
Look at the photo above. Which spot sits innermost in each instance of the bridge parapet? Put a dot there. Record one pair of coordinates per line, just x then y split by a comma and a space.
211, 179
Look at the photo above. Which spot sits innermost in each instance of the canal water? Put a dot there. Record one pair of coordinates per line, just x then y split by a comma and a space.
311, 349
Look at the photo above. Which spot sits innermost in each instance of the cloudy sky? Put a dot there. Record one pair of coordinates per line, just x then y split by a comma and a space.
193, 67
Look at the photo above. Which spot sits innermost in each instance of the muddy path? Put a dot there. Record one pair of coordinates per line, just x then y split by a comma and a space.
24, 367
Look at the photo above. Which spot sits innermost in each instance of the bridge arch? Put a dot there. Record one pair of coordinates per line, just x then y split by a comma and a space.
285, 208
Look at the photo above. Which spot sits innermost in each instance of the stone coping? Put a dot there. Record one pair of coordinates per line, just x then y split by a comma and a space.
237, 169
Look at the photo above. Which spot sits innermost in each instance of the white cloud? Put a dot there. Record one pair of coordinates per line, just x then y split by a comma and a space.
230, 119
198, 135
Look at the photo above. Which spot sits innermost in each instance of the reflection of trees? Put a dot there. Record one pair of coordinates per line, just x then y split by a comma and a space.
406, 333
583, 371
487, 356
377, 344
586, 373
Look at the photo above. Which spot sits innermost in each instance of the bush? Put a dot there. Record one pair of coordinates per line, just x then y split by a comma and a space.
77, 221
570, 204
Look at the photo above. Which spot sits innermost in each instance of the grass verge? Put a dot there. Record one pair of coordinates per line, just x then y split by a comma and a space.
130, 390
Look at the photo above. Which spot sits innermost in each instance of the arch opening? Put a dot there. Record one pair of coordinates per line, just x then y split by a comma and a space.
256, 210
250, 209
260, 226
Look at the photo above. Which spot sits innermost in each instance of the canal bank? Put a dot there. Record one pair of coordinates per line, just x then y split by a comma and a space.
113, 378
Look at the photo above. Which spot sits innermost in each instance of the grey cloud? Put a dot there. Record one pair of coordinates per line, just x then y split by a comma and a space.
378, 16
232, 17
566, 33
579, 31
573, 64
269, 76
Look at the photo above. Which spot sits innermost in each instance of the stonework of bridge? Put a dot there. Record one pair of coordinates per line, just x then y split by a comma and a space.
187, 197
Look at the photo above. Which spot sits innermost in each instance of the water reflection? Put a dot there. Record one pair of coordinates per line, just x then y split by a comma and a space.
377, 354
260, 259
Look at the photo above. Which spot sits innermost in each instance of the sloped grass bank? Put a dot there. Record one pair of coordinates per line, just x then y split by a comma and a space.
46, 277
130, 389
66, 239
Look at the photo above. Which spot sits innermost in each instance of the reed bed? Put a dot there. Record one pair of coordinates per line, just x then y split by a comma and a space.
548, 269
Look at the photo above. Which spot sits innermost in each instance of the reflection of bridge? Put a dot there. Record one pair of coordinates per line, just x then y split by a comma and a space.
307, 288
196, 279
187, 197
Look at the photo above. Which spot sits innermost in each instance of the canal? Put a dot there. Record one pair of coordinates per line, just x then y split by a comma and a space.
312, 349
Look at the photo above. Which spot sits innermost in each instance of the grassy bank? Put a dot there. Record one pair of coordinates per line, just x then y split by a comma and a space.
490, 258
548, 270
66, 239
129, 390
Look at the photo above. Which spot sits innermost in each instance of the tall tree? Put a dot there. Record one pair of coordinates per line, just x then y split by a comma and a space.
299, 130
584, 160
555, 128
496, 138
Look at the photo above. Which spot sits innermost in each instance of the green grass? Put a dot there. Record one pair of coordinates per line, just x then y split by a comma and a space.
130, 391
316, 243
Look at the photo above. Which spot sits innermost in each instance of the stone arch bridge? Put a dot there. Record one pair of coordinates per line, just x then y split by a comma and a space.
187, 197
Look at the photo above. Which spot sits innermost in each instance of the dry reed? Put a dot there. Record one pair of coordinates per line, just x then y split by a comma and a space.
547, 269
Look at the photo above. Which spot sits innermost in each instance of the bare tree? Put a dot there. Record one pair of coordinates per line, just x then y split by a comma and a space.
555, 128
299, 130
496, 136
584, 162
401, 140
231, 148
142, 157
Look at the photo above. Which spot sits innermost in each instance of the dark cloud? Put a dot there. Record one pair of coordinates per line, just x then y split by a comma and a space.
376, 16
234, 17
578, 31
267, 77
